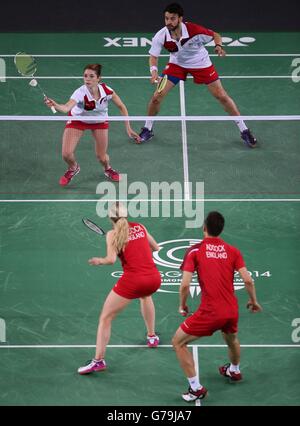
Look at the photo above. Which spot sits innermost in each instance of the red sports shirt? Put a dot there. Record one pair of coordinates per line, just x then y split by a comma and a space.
137, 255
215, 262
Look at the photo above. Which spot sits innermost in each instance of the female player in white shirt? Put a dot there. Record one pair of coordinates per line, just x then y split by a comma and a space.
89, 100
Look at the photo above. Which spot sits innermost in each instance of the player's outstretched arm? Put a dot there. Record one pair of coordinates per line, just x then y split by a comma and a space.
153, 64
184, 292
219, 50
64, 108
252, 304
111, 255
123, 110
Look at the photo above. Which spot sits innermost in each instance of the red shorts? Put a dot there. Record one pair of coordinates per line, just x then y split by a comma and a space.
201, 75
133, 286
81, 125
205, 323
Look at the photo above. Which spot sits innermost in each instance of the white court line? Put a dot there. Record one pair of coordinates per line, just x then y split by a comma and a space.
214, 200
143, 55
184, 142
135, 77
153, 118
4, 346
196, 363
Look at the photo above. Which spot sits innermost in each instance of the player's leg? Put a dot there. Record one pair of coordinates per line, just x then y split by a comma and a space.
175, 73
218, 91
153, 109
112, 306
186, 361
70, 141
148, 313
232, 369
101, 145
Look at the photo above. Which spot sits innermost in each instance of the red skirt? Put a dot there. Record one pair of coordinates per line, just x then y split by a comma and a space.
134, 286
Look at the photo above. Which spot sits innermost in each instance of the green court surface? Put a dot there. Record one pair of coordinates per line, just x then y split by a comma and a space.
50, 298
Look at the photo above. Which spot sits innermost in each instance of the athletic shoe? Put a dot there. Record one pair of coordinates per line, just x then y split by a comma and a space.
112, 175
152, 341
192, 395
69, 175
91, 366
146, 134
232, 375
248, 138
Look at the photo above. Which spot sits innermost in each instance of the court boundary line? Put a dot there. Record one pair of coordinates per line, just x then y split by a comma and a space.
146, 55
117, 77
214, 200
196, 364
184, 142
274, 346
192, 118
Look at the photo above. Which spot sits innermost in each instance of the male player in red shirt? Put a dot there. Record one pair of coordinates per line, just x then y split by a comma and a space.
186, 43
215, 262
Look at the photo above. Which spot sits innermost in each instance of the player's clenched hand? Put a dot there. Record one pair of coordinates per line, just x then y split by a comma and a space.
133, 135
50, 102
95, 261
154, 77
183, 310
254, 307
220, 51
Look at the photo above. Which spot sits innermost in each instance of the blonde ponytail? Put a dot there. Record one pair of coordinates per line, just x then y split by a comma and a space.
118, 214
120, 239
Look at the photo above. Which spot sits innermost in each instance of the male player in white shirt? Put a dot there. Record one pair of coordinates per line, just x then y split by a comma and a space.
185, 41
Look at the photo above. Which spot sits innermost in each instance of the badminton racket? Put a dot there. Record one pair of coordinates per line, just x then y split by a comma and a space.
26, 66
93, 227
162, 84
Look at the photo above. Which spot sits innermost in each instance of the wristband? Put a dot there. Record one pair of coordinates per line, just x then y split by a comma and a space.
153, 68
219, 45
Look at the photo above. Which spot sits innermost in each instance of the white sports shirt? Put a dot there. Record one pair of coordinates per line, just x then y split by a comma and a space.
86, 105
189, 51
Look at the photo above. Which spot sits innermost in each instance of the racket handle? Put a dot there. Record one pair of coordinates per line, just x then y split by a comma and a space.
53, 110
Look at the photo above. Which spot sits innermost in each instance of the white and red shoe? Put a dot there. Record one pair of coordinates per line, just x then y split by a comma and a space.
69, 175
112, 174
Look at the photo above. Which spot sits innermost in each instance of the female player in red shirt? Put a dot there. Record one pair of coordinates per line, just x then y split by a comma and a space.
133, 245
89, 100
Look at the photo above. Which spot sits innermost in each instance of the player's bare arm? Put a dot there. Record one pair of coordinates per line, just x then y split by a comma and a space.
111, 255
184, 292
64, 108
219, 50
252, 304
153, 64
153, 244
123, 110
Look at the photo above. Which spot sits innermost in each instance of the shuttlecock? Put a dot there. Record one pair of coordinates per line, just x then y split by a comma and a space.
33, 82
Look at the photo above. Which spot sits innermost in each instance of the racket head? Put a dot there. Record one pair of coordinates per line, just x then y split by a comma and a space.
162, 83
26, 64
92, 226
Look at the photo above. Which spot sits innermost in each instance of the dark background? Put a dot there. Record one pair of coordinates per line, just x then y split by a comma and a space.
146, 16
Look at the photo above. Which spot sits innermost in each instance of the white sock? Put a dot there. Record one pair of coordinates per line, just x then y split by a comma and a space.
194, 383
234, 368
149, 124
241, 125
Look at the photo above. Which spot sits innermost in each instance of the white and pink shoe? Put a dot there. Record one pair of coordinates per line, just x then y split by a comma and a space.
91, 366
152, 341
